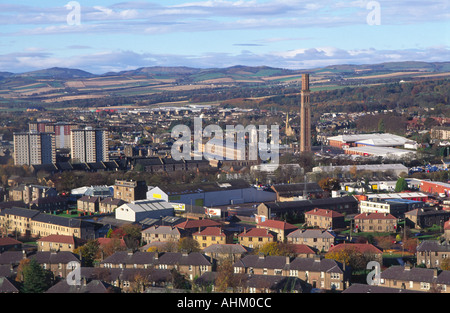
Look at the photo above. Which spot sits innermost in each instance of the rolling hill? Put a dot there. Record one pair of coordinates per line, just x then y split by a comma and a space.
60, 85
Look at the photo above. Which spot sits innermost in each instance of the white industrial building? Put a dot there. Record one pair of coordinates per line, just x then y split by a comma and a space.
376, 140
379, 151
143, 209
212, 194
396, 168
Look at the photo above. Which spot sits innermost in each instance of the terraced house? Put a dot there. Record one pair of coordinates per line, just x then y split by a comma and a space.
326, 274
211, 235
280, 229
60, 263
46, 225
32, 223
255, 237
376, 222
415, 278
162, 234
432, 253
324, 219
317, 239
17, 220
192, 264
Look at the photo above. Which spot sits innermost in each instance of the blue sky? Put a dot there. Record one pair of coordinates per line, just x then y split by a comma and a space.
115, 35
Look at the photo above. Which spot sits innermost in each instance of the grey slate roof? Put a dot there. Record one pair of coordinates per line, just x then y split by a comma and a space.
433, 245
14, 257
286, 190
20, 212
168, 230
362, 288
307, 204
256, 261
225, 248
7, 286
7, 271
310, 233
277, 283
406, 273
11, 257
193, 258
59, 220
37, 216
169, 258
64, 257
316, 265
443, 278
94, 286
125, 257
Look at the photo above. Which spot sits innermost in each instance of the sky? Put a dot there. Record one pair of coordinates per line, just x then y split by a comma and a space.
101, 36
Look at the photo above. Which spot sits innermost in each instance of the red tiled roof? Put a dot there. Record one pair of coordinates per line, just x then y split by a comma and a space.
6, 241
58, 238
277, 224
375, 216
324, 212
360, 247
210, 231
302, 249
197, 223
256, 232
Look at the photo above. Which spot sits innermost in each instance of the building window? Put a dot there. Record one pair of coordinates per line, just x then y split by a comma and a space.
335, 285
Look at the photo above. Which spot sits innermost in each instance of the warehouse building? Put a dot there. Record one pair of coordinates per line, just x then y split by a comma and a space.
212, 194
396, 207
144, 209
396, 168
379, 151
374, 140
273, 210
441, 188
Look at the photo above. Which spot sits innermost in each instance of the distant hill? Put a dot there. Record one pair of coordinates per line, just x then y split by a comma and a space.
241, 72
431, 67
6, 74
167, 84
58, 73
155, 71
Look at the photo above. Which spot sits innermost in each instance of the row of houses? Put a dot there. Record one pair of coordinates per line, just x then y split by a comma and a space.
33, 223
140, 271
321, 273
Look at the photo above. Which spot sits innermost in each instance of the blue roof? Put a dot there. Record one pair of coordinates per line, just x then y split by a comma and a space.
403, 200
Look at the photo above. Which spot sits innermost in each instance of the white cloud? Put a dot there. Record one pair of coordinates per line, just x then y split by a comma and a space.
105, 61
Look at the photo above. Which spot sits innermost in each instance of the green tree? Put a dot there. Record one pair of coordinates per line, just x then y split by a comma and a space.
329, 184
179, 281
381, 127
188, 245
89, 252
35, 278
401, 185
131, 235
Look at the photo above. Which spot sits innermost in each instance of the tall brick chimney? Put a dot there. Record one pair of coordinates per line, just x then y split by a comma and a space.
305, 116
